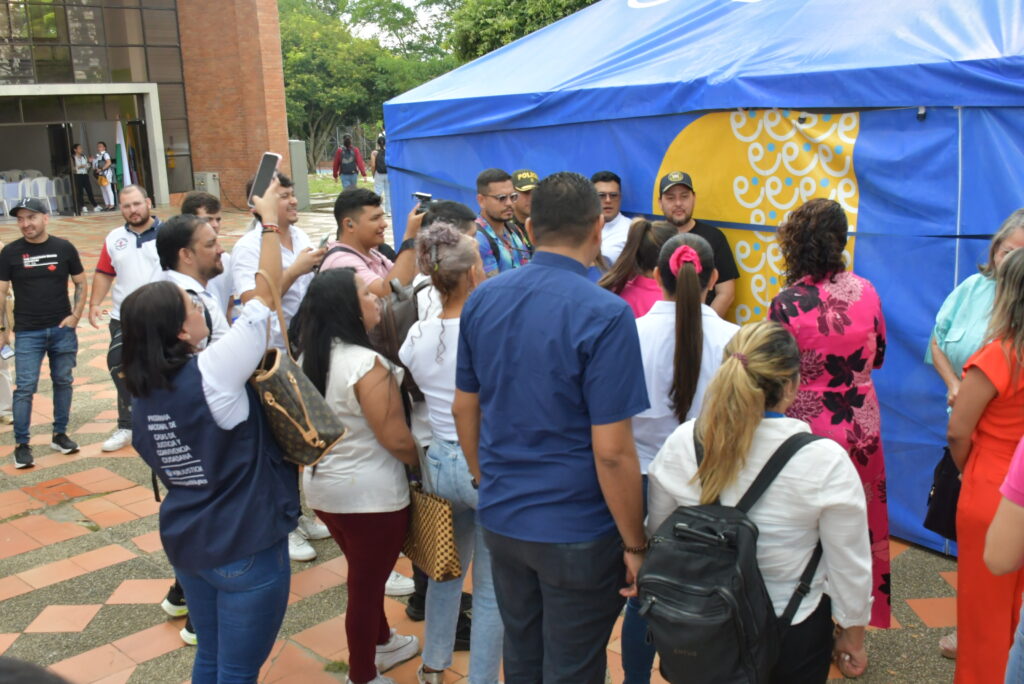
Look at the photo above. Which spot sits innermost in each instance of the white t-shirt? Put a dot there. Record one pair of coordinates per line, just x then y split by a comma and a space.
222, 286
428, 299
817, 495
613, 237
358, 475
245, 259
429, 353
218, 321
657, 331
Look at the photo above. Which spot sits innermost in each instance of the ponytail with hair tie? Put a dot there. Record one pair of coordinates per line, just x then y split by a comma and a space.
684, 254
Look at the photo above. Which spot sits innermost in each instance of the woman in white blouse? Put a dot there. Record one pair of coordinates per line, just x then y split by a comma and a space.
681, 343
359, 489
818, 495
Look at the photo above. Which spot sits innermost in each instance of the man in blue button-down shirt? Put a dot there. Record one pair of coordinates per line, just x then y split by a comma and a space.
549, 375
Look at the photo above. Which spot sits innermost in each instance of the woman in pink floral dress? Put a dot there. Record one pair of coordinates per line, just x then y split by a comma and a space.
836, 318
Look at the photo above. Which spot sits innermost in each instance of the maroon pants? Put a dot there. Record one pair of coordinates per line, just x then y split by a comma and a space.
371, 543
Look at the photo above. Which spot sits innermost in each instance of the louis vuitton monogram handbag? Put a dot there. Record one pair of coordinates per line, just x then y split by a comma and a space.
430, 541
302, 423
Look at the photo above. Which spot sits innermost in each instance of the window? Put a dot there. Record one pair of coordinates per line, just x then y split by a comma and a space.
46, 108
172, 101
127, 64
90, 64
161, 27
47, 24
164, 64
123, 26
16, 64
85, 25
53, 63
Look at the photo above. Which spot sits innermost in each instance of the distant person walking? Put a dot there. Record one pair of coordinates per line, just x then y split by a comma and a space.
348, 162
379, 168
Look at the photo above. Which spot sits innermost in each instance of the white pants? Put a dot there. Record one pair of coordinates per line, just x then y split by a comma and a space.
108, 194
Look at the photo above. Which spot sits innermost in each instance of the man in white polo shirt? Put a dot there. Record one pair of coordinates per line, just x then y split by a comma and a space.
298, 259
128, 260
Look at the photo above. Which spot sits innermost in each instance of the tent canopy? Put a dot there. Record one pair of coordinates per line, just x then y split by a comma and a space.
621, 59
831, 90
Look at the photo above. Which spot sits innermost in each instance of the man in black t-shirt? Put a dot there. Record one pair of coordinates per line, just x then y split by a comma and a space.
677, 201
38, 265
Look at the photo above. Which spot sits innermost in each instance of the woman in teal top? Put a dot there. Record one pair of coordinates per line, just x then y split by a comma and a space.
962, 323
961, 328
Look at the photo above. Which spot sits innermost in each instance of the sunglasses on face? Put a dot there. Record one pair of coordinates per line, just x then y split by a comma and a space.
505, 198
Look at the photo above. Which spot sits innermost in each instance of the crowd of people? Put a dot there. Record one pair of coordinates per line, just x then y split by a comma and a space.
563, 421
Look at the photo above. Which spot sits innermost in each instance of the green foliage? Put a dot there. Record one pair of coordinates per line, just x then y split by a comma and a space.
480, 26
334, 80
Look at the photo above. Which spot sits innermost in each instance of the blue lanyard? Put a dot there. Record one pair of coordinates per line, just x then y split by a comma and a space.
774, 414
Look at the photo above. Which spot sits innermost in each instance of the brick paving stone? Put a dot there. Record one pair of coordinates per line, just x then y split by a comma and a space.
140, 591
63, 618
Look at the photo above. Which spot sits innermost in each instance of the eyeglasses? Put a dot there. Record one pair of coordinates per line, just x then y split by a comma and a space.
197, 302
505, 198
608, 195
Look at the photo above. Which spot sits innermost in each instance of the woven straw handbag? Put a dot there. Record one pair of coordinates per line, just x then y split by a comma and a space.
302, 423
430, 541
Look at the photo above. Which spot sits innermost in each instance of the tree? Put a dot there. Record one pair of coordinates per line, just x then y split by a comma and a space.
480, 26
331, 78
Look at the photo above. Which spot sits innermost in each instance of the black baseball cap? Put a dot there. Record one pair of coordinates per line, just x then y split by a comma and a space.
32, 204
674, 178
524, 180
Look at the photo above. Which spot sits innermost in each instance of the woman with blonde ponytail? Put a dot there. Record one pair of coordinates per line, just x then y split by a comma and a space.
452, 261
817, 496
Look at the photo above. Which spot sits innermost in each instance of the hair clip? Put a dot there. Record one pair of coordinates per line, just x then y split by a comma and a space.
742, 358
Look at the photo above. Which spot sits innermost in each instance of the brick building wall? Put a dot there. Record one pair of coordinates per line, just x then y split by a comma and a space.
234, 88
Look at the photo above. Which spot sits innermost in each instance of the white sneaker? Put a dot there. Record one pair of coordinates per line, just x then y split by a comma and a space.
312, 528
398, 649
379, 679
399, 585
85, 210
429, 677
298, 548
119, 440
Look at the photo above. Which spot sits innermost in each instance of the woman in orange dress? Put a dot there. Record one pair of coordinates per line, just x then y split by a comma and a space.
984, 428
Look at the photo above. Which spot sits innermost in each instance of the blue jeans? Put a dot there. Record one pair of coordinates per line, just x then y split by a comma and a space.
237, 610
60, 345
348, 180
448, 476
1015, 665
559, 603
383, 188
637, 652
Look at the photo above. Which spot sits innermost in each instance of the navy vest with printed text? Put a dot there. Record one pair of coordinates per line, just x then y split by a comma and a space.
230, 494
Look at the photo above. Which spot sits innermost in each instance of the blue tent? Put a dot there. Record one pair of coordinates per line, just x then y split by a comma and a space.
908, 113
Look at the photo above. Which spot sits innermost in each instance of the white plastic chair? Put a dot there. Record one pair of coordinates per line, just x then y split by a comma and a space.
11, 196
31, 173
43, 188
62, 189
13, 174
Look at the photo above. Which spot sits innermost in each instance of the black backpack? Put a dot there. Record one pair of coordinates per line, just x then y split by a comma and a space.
702, 593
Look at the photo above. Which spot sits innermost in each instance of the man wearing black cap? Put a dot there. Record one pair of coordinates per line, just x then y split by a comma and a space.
677, 200
524, 181
39, 266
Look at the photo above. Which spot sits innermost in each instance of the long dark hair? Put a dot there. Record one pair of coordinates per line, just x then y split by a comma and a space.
640, 253
151, 318
688, 288
330, 311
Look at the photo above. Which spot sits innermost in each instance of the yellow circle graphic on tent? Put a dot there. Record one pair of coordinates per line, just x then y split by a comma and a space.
754, 168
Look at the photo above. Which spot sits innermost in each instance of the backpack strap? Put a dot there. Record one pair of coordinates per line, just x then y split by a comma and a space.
803, 587
773, 467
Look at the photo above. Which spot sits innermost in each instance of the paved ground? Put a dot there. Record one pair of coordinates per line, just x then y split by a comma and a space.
82, 571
